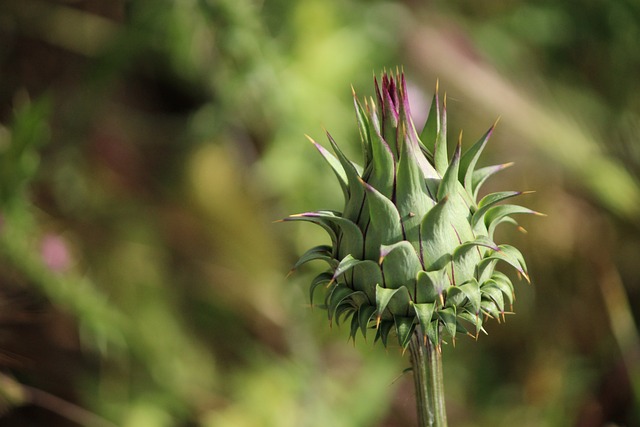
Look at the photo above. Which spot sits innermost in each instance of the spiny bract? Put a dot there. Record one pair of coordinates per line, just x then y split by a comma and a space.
412, 247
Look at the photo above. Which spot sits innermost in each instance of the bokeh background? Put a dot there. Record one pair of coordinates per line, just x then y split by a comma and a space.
147, 147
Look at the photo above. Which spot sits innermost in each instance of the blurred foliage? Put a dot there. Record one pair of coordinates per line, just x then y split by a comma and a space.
147, 147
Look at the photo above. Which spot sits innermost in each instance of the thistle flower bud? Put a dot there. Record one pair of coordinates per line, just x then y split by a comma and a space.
413, 246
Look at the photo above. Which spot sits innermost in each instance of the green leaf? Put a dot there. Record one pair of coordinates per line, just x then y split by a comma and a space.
490, 290
455, 297
356, 192
410, 132
404, 329
424, 313
496, 215
400, 265
335, 165
480, 241
382, 332
430, 131
448, 318
365, 315
322, 253
468, 255
457, 209
345, 234
318, 219
355, 325
504, 283
511, 256
470, 159
511, 253
413, 198
440, 156
363, 128
481, 175
430, 285
434, 133
335, 297
450, 185
474, 319
491, 200
344, 310
471, 290
396, 300
438, 237
346, 264
382, 167
489, 308
486, 269
364, 277
433, 333
385, 227
321, 279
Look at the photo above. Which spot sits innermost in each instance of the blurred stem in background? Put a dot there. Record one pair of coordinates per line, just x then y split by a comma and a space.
616, 301
14, 394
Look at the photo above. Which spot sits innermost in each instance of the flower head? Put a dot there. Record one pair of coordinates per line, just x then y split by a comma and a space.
413, 246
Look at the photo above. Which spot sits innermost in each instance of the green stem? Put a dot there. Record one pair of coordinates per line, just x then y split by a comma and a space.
427, 377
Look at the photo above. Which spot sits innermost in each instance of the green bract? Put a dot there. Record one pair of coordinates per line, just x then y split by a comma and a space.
413, 246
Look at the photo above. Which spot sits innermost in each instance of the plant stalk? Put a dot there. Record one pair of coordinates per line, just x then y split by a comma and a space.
426, 362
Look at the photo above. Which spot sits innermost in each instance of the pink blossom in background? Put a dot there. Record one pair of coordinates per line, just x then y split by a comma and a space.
54, 253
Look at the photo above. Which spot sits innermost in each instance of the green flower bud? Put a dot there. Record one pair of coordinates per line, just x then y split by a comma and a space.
413, 247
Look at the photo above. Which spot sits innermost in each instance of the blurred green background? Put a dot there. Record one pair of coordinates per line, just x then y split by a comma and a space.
146, 147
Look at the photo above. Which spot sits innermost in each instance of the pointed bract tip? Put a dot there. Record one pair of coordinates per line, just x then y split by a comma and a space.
366, 186
457, 154
290, 273
496, 122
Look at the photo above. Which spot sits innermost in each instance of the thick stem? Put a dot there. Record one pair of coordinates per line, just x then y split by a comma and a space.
426, 363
